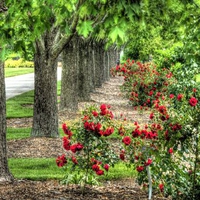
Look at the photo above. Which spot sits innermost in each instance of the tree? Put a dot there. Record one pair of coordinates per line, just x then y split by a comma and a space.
5, 174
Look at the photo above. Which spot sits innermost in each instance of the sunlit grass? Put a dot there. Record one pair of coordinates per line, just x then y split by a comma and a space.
9, 72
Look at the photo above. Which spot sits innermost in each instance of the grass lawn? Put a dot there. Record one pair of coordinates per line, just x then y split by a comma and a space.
17, 133
17, 71
46, 168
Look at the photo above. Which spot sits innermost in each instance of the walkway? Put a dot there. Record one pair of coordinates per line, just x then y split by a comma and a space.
19, 84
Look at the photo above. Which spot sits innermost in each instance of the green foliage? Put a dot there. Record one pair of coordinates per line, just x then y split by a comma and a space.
20, 63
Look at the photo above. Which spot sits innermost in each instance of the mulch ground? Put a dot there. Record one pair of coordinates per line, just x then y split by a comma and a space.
125, 189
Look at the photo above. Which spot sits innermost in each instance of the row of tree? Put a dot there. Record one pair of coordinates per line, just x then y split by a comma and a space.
79, 28
50, 27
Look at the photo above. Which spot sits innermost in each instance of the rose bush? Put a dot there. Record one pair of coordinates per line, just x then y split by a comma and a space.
86, 142
143, 82
169, 144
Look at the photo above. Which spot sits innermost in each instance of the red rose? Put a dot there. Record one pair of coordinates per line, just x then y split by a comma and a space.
179, 97
126, 140
122, 156
148, 162
103, 107
100, 172
140, 168
61, 161
106, 167
95, 167
151, 116
73, 148
95, 113
74, 160
161, 187
107, 132
193, 101
79, 146
171, 96
170, 150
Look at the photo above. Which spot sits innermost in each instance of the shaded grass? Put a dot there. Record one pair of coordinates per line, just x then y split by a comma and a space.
18, 133
9, 72
20, 106
22, 133
46, 168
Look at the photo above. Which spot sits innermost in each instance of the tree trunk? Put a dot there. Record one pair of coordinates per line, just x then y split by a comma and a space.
83, 74
69, 84
98, 63
5, 175
45, 117
91, 66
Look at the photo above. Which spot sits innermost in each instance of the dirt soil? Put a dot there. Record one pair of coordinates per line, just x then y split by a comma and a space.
126, 189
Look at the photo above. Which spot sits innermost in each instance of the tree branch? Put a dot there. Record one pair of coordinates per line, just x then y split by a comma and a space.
57, 48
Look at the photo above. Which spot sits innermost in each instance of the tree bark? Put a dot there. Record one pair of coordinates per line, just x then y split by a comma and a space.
45, 117
83, 74
69, 81
98, 63
5, 175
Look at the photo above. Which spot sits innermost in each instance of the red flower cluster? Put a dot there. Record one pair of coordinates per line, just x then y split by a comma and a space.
144, 134
76, 147
175, 127
61, 161
107, 132
91, 126
66, 143
97, 167
105, 111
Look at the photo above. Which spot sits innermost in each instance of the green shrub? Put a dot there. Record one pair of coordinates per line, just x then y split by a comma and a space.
20, 63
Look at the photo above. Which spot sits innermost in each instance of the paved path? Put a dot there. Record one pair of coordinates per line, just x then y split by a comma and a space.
19, 84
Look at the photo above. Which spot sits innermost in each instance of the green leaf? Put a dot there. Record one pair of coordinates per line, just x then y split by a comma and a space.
85, 28
117, 32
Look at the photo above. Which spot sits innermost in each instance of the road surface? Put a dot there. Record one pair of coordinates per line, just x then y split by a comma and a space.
19, 84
